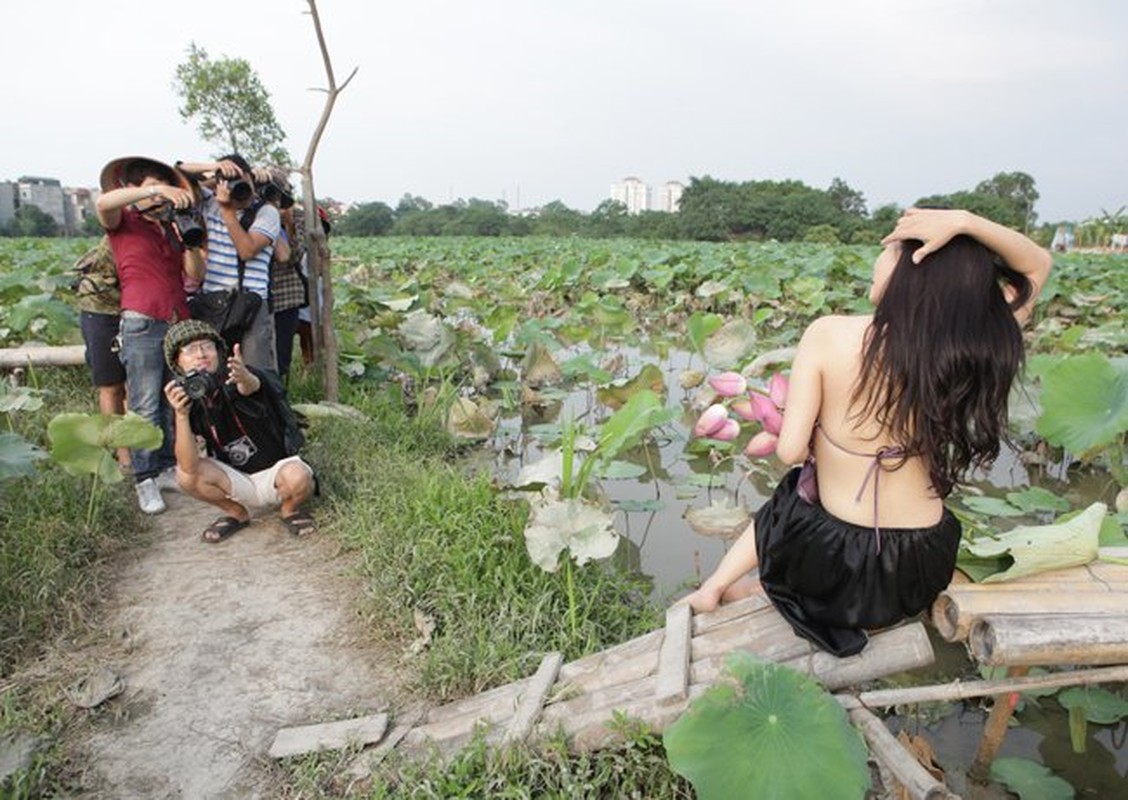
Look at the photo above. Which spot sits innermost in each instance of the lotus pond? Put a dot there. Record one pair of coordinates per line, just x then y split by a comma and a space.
579, 368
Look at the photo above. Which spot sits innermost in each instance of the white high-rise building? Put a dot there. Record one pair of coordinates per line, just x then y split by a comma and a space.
632, 193
669, 196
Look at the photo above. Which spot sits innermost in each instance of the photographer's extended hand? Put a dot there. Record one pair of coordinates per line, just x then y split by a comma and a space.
245, 381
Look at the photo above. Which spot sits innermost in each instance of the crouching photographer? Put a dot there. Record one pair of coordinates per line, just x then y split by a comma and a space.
249, 432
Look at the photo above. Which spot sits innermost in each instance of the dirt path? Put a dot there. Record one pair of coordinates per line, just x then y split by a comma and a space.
219, 647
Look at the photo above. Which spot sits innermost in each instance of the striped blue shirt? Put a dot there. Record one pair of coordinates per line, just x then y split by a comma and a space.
223, 260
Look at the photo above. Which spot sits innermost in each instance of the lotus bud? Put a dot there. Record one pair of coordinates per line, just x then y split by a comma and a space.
762, 445
773, 421
761, 406
777, 389
711, 421
729, 431
729, 384
745, 410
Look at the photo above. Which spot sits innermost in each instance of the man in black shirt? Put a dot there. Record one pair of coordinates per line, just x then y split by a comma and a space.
241, 417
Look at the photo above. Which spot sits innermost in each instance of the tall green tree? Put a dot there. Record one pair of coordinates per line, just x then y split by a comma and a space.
230, 106
1017, 190
31, 220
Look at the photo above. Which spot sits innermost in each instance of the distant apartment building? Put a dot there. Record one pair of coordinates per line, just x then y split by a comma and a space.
632, 193
47, 195
8, 194
80, 206
669, 196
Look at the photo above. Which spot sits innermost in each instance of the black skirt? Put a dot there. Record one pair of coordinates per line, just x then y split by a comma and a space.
827, 578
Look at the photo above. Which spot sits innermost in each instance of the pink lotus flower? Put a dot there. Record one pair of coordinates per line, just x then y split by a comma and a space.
773, 421
711, 420
762, 406
729, 384
761, 445
745, 410
777, 389
728, 431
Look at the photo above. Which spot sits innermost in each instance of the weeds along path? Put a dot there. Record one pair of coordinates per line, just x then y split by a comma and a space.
220, 646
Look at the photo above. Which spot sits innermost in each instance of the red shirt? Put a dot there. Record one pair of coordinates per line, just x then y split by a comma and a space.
150, 268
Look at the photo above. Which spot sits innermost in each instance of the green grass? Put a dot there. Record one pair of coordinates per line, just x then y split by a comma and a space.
434, 539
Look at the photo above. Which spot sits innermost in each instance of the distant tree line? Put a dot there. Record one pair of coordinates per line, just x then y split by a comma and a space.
710, 210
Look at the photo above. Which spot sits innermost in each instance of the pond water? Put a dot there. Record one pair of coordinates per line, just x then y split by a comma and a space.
659, 543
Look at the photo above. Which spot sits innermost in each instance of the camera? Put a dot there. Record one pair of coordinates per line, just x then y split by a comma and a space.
240, 190
270, 192
197, 384
186, 223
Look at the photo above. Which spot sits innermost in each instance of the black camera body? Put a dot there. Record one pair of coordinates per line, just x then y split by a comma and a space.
198, 383
240, 190
186, 223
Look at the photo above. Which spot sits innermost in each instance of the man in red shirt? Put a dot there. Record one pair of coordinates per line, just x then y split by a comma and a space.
152, 262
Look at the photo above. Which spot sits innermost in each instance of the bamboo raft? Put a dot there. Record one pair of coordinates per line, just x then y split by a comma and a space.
1068, 618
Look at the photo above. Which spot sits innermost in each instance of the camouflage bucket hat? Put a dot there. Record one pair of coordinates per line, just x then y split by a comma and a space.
186, 332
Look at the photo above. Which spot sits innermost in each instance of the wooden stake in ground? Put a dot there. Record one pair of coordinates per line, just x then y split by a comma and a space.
320, 277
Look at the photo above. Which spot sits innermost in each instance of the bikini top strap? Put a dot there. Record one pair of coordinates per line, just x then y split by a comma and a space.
874, 471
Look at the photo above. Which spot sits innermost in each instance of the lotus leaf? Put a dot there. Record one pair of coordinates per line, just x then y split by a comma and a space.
540, 367
772, 734
618, 470
991, 506
1034, 549
20, 398
1036, 498
17, 456
730, 345
700, 327
399, 303
649, 379
84, 443
1030, 780
585, 531
546, 471
720, 518
1100, 705
426, 336
1085, 402
468, 420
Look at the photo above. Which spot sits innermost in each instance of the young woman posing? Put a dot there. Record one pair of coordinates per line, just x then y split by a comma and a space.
893, 408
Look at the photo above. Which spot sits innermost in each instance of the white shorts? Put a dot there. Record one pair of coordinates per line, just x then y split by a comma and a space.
257, 490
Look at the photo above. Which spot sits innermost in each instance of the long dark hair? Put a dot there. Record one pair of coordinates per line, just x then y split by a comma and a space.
941, 355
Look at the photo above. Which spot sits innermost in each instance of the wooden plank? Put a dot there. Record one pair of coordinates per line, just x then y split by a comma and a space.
918, 783
673, 657
521, 723
1034, 640
707, 620
43, 356
328, 736
954, 610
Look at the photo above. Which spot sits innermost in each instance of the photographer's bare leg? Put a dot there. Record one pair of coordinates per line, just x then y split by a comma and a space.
211, 484
294, 484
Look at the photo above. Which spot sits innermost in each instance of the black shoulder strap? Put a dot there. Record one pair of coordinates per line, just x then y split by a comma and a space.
247, 219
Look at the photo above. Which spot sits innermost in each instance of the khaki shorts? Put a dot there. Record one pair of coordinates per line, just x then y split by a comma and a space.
257, 490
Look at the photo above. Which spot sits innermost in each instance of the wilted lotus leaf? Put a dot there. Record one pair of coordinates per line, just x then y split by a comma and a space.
85, 443
426, 336
691, 378
721, 518
755, 737
399, 303
649, 378
585, 531
467, 420
730, 345
710, 288
459, 291
325, 409
547, 470
540, 368
1039, 548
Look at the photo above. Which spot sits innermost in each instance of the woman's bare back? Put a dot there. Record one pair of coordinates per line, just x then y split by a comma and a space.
905, 497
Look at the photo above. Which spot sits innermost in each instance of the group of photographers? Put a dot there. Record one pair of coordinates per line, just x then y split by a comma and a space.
206, 228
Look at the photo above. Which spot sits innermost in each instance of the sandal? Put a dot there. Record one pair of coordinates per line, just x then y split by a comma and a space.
300, 523
222, 528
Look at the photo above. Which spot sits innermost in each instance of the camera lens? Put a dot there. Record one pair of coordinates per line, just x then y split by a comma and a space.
240, 190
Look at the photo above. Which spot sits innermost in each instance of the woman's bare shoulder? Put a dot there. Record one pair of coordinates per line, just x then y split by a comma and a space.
836, 325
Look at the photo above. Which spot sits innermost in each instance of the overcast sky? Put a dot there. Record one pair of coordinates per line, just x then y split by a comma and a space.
535, 100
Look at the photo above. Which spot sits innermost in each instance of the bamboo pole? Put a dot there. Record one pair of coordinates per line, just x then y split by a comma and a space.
1039, 639
73, 355
914, 778
955, 610
963, 690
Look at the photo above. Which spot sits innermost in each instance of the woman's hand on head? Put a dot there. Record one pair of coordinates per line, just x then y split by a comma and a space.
935, 227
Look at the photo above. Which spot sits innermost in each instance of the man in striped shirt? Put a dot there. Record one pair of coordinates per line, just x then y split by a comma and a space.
240, 228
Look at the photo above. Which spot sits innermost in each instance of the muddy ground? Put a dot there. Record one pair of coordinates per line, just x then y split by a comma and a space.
218, 647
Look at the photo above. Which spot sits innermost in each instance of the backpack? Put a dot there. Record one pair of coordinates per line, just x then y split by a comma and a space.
95, 280
293, 437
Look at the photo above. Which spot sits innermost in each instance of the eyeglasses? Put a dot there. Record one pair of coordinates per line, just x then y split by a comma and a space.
199, 348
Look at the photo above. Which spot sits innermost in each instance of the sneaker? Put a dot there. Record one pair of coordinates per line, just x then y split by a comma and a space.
149, 497
166, 480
